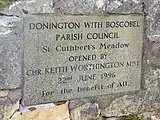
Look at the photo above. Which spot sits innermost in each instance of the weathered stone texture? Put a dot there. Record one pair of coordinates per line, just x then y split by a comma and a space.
74, 7
10, 52
9, 102
150, 115
148, 99
4, 93
10, 63
14, 95
155, 54
153, 21
88, 110
124, 6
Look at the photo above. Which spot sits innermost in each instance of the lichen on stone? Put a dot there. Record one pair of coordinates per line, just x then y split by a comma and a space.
129, 117
2, 3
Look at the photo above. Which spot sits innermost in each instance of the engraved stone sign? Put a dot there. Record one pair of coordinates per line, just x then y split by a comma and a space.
74, 56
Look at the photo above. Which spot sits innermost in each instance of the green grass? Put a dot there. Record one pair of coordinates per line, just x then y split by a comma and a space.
2, 3
130, 117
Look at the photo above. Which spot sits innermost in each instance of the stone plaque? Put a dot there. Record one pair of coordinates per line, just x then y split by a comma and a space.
75, 56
